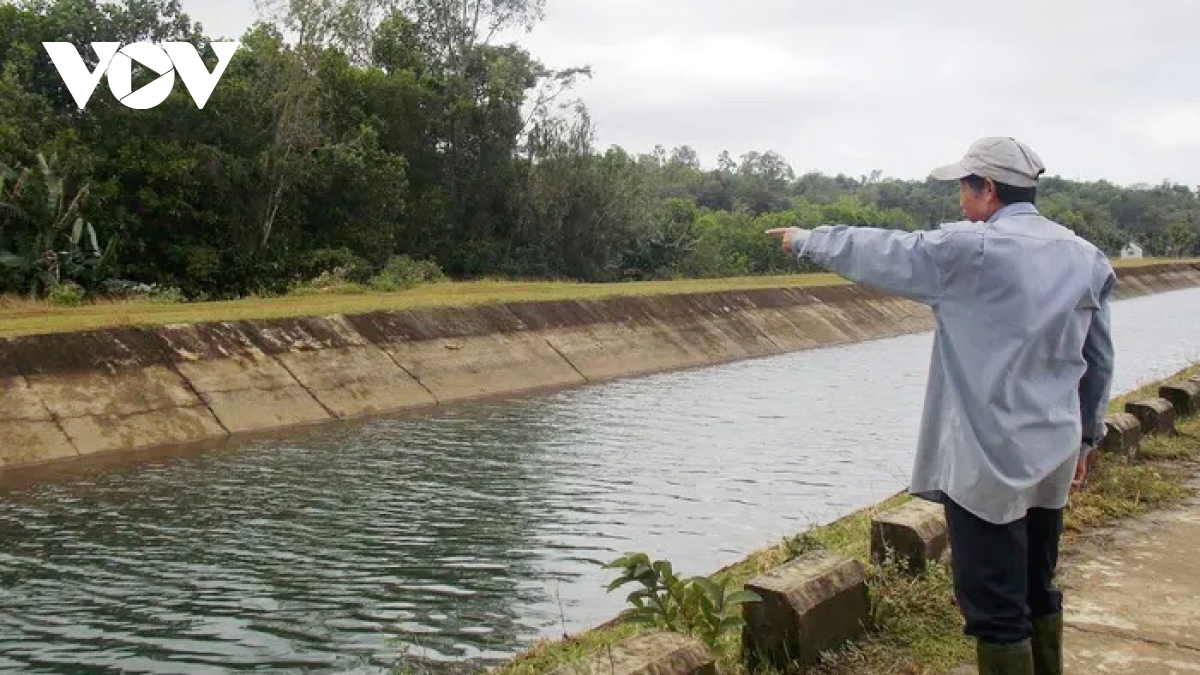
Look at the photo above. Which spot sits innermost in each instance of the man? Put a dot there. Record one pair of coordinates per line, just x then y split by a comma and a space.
1018, 386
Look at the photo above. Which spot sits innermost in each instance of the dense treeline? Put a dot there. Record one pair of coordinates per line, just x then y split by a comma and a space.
385, 130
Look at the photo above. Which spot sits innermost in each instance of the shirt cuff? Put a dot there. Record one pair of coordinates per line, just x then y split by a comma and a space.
798, 242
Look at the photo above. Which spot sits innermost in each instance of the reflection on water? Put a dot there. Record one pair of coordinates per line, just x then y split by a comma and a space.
460, 536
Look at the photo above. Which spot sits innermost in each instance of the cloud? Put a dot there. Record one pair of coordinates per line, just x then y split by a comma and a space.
1100, 88
738, 63
1175, 127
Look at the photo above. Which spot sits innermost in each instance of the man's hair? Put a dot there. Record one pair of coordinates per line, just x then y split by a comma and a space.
1007, 194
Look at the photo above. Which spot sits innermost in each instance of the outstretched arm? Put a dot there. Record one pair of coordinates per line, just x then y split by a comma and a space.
901, 263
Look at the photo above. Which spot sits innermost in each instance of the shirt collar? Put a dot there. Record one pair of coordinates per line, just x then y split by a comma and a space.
1015, 209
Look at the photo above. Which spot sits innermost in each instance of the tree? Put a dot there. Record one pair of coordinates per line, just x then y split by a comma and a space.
763, 182
346, 132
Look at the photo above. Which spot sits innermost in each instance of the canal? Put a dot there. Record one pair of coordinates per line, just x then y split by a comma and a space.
457, 537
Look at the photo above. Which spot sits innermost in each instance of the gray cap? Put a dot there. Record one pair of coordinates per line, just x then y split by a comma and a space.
1004, 160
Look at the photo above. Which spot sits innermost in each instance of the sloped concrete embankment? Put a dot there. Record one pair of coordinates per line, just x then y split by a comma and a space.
75, 394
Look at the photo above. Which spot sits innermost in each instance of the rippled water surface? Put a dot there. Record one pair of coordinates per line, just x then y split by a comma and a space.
456, 538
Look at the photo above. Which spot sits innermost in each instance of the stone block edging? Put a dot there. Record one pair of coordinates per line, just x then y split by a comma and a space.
1123, 434
916, 531
1184, 396
1156, 415
809, 605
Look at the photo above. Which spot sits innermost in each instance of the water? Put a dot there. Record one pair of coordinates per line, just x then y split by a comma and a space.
458, 537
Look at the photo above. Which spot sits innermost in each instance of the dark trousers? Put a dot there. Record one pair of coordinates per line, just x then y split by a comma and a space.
1004, 574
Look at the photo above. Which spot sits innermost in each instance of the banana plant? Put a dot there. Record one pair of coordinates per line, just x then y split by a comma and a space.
62, 213
84, 261
63, 246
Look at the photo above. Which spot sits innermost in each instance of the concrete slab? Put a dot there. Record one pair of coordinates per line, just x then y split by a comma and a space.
19, 402
28, 441
118, 392
152, 428
105, 410
1100, 653
840, 317
704, 342
354, 381
236, 372
251, 391
1133, 599
783, 333
818, 323
486, 365
608, 351
259, 409
715, 324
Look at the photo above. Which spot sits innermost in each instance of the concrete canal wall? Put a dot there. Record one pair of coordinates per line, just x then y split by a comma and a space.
75, 394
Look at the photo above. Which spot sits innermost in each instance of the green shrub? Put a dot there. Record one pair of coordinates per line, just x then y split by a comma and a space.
317, 287
124, 289
698, 606
340, 263
328, 282
402, 272
800, 544
67, 294
168, 295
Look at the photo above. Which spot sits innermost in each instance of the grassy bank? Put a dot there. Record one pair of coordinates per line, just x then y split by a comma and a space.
917, 628
20, 316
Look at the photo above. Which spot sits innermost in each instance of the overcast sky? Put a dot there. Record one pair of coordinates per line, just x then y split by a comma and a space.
1098, 88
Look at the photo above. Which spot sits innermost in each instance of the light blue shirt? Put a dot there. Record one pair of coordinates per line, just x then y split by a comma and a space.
1022, 354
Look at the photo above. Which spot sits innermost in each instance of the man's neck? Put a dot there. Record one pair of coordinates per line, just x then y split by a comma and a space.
1009, 208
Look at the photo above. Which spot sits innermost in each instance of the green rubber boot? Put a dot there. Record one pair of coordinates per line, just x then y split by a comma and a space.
1010, 659
1048, 645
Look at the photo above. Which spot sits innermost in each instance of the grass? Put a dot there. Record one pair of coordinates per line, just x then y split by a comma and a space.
1144, 262
917, 629
20, 316
546, 655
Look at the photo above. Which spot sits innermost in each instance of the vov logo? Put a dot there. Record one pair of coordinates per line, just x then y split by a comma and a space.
166, 59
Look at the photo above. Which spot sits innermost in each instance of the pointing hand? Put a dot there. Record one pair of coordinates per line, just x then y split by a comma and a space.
788, 237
